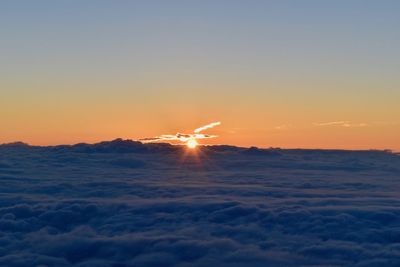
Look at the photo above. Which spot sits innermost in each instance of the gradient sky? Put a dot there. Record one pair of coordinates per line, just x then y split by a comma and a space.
276, 73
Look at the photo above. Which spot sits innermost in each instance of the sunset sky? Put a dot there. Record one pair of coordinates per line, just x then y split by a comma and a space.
309, 74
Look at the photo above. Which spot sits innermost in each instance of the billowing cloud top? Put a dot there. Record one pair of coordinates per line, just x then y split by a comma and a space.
116, 204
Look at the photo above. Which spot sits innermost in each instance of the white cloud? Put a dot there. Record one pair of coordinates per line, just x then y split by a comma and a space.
347, 124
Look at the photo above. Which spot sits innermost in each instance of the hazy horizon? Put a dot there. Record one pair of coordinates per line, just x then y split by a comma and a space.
200, 145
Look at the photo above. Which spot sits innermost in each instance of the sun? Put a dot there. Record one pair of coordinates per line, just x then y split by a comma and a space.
192, 143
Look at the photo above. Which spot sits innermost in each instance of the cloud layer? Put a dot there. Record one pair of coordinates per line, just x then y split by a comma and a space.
122, 203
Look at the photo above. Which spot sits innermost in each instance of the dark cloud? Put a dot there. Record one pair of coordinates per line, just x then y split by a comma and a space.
122, 203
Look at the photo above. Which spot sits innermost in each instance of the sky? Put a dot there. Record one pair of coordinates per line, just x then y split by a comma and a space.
291, 74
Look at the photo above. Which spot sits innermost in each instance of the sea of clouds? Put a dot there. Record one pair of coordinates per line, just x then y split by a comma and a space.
122, 203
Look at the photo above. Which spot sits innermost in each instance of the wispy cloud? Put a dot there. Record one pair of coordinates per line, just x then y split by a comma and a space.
386, 123
176, 137
208, 126
183, 137
347, 124
282, 127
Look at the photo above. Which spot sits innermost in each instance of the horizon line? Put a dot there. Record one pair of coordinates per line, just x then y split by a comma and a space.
201, 145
